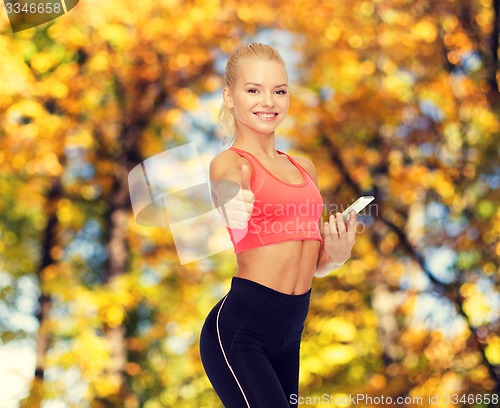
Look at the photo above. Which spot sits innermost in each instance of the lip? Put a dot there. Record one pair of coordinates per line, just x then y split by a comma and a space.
271, 116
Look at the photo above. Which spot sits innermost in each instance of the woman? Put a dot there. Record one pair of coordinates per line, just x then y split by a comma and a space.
250, 341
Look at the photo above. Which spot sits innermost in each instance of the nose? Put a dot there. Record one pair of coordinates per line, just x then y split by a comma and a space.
267, 99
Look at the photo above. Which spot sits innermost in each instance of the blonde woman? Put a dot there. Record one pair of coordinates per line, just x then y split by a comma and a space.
250, 340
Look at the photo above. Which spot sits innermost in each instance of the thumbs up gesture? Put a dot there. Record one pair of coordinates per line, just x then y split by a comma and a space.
238, 210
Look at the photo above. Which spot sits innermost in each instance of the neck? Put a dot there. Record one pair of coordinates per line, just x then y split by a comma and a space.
257, 145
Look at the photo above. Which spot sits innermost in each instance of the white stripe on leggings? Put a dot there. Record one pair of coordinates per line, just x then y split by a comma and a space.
225, 358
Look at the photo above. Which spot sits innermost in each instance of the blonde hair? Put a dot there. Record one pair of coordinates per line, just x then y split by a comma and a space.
252, 50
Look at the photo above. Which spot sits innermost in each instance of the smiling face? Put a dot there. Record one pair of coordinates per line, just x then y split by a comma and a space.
259, 99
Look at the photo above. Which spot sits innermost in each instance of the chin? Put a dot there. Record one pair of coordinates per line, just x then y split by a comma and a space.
267, 131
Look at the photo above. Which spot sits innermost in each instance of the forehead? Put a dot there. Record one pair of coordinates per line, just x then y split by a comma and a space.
261, 71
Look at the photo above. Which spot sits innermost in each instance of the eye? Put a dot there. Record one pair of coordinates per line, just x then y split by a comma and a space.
282, 92
252, 90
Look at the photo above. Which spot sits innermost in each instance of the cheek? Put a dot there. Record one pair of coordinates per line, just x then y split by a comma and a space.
242, 103
286, 106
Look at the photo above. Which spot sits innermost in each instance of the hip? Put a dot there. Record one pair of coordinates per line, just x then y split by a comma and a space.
253, 313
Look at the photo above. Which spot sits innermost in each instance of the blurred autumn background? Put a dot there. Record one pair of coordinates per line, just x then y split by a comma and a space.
393, 98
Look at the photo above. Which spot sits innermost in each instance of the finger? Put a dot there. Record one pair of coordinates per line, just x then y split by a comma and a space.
238, 209
230, 216
327, 233
351, 226
235, 218
341, 225
245, 177
237, 206
333, 227
248, 196
248, 210
235, 224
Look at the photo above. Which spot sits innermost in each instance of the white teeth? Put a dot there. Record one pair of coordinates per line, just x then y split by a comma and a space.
266, 115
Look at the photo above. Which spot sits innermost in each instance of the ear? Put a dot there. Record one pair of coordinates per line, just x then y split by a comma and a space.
228, 98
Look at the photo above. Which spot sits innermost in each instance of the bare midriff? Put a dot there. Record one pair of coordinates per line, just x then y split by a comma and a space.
286, 267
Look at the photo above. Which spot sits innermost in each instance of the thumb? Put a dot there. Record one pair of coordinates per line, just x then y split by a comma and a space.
245, 177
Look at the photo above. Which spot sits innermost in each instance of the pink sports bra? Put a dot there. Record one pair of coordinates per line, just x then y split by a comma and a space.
282, 211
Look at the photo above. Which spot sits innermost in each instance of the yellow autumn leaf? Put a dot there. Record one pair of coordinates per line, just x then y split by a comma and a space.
100, 61
186, 99
42, 62
337, 354
492, 351
80, 138
341, 329
107, 385
26, 107
113, 315
477, 309
425, 31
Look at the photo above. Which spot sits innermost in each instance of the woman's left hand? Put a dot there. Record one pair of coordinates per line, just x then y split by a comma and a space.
340, 237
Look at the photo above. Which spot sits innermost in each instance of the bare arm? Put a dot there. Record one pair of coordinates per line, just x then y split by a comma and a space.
325, 264
230, 190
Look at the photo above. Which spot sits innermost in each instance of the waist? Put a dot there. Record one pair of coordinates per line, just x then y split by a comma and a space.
263, 294
287, 267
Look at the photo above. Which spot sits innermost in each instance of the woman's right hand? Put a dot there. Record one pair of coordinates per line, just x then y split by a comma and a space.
238, 210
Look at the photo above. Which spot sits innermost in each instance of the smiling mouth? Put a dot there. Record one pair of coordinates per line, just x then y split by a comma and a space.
266, 116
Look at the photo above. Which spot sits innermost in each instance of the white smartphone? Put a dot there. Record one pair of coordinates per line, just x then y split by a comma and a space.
357, 206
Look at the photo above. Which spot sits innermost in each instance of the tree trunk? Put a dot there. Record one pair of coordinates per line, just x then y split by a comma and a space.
43, 337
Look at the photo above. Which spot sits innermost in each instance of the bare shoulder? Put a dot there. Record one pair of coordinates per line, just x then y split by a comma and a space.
308, 166
225, 166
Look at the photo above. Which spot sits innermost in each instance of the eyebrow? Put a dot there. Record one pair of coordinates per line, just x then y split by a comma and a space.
256, 84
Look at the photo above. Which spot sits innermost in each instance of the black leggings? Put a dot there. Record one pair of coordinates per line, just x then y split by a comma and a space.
250, 345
